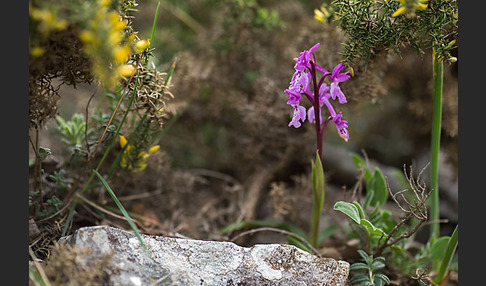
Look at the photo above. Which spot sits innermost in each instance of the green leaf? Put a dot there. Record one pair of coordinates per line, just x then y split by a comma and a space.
373, 231
292, 240
60, 121
367, 258
358, 266
359, 208
383, 278
377, 265
377, 188
437, 249
349, 209
318, 181
358, 278
360, 164
43, 153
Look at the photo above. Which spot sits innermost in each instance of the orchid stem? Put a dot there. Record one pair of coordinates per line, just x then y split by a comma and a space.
435, 145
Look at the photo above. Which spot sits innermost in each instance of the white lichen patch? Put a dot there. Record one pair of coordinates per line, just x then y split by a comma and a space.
258, 254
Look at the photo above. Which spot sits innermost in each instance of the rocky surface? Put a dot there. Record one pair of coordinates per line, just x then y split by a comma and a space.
177, 261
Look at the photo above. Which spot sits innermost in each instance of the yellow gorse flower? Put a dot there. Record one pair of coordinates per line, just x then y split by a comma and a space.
322, 14
139, 162
126, 70
48, 20
409, 7
141, 46
37, 51
105, 40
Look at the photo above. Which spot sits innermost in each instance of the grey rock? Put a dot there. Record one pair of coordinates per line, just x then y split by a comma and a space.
177, 261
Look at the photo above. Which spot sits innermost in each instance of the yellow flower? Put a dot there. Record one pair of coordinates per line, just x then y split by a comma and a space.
399, 12
153, 149
104, 3
37, 51
126, 70
409, 7
121, 54
322, 14
142, 156
318, 15
123, 141
141, 46
86, 37
48, 20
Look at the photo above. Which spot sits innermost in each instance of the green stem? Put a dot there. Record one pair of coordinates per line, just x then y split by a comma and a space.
435, 147
316, 215
152, 34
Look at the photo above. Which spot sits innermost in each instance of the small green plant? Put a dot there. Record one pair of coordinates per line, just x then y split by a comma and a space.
377, 224
371, 266
381, 233
73, 132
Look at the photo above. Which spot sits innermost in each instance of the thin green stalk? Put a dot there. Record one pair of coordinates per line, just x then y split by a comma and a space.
153, 25
316, 215
435, 146
122, 210
153, 31
448, 256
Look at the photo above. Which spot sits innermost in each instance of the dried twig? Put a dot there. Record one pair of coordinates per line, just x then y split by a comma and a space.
414, 209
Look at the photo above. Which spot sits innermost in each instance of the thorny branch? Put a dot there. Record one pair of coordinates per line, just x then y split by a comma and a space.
412, 209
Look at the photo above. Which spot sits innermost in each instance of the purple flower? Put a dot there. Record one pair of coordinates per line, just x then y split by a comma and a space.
303, 61
323, 99
336, 78
300, 81
294, 97
300, 85
341, 126
299, 115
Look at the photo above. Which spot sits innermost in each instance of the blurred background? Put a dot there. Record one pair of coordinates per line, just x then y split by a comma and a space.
227, 152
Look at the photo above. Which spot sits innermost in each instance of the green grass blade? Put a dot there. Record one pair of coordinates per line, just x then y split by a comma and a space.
448, 256
122, 209
153, 25
69, 218
263, 223
152, 35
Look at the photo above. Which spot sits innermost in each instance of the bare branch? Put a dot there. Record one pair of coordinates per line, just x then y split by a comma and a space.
415, 209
